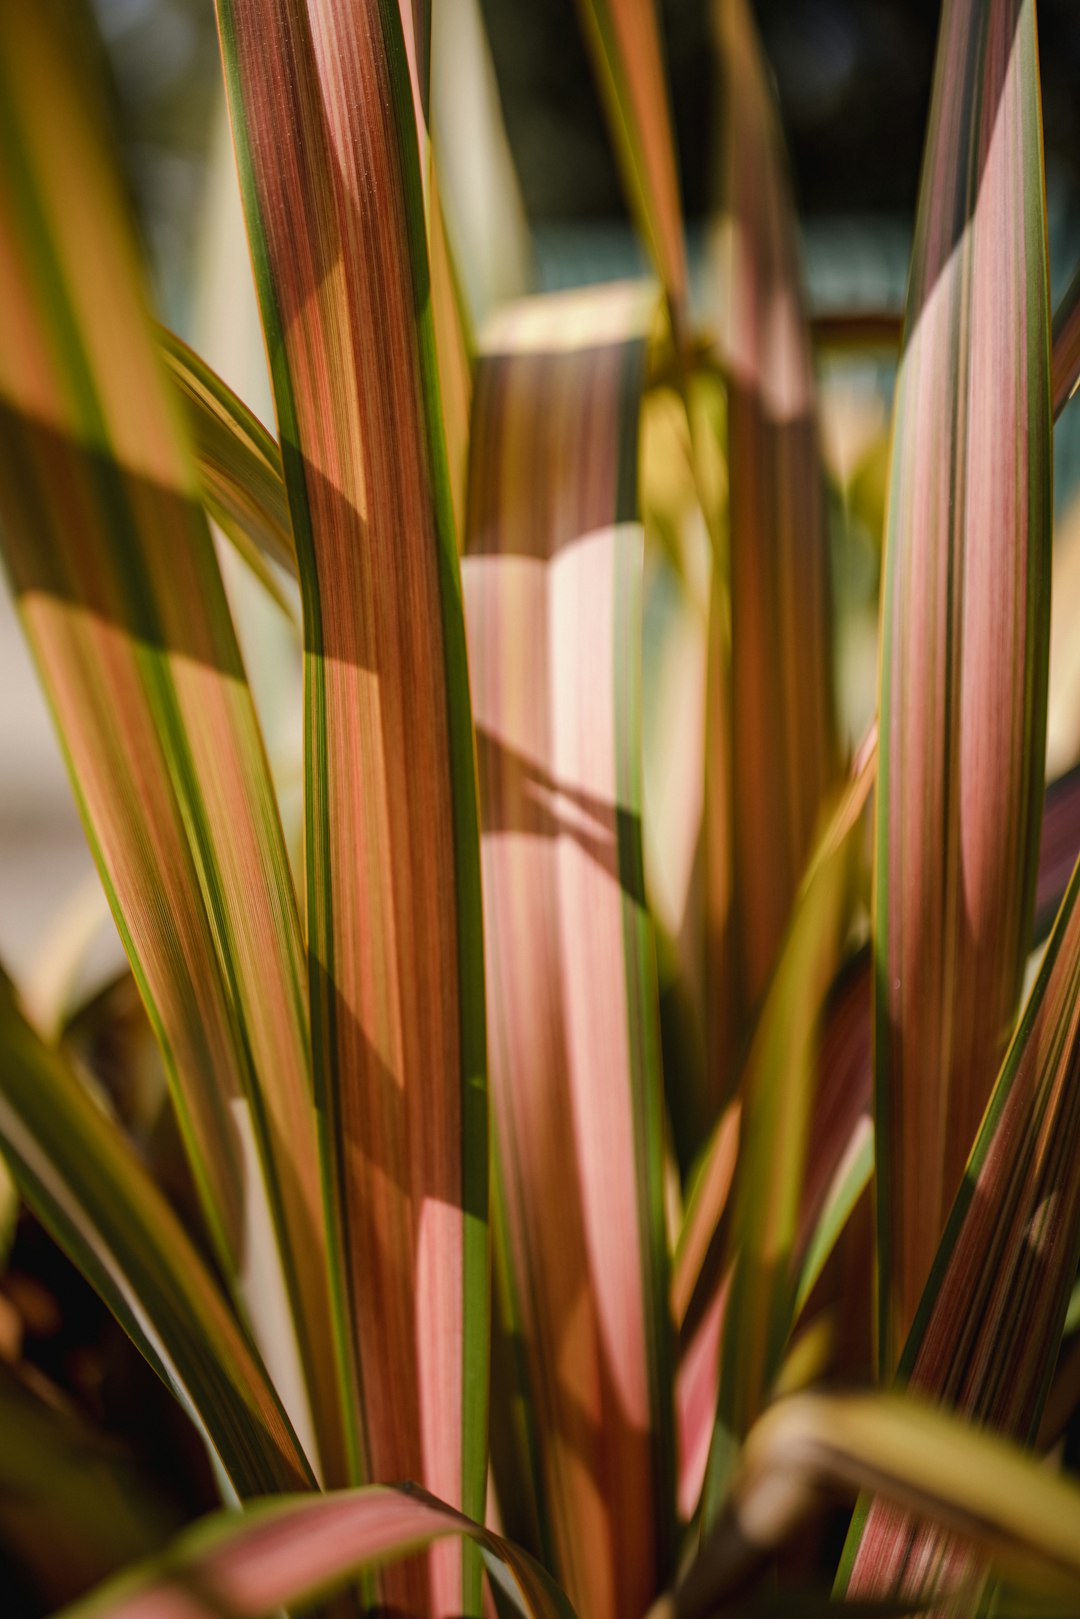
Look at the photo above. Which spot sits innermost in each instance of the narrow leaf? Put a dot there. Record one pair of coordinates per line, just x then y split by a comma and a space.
85, 1184
965, 614
988, 1327
777, 1090
927, 1462
322, 107
624, 38
119, 591
553, 591
780, 723
238, 462
298, 1551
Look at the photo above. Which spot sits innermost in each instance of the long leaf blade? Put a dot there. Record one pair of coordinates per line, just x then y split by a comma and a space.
624, 37
336, 220
238, 461
119, 592
553, 580
987, 1331
295, 1552
927, 1462
778, 714
84, 1183
964, 659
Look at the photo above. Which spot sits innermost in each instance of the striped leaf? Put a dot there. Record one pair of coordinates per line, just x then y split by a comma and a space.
778, 1097
964, 656
298, 1551
553, 594
238, 462
84, 1183
986, 1335
624, 39
784, 1143
336, 220
780, 723
119, 592
1021, 1516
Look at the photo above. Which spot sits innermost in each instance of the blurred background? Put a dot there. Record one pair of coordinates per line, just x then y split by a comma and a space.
852, 79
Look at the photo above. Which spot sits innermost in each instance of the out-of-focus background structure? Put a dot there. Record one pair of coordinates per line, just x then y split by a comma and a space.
852, 78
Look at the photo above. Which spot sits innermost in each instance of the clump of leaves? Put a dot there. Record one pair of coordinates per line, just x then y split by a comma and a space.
533, 1175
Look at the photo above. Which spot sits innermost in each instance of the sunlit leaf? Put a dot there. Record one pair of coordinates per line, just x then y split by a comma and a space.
337, 223
553, 592
238, 462
118, 588
965, 613
295, 1552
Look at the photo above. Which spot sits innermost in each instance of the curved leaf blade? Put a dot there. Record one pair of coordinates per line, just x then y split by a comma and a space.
121, 598
297, 1551
85, 1184
925, 1461
238, 461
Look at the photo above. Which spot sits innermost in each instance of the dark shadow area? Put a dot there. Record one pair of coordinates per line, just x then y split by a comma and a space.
522, 797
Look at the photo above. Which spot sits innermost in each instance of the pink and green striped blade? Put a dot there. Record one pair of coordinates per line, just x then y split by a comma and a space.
238, 462
84, 1182
986, 1334
322, 108
926, 1461
553, 578
965, 618
118, 588
624, 39
298, 1552
779, 719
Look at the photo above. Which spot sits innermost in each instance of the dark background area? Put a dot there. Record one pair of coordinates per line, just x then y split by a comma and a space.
853, 83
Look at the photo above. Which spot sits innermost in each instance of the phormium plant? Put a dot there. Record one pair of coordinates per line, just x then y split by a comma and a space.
533, 1209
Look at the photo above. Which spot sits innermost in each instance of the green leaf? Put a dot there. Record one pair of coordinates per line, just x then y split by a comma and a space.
297, 1551
238, 463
